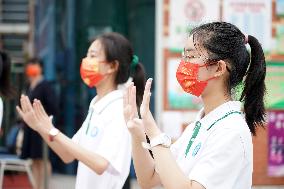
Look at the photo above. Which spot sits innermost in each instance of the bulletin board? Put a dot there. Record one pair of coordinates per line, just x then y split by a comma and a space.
261, 18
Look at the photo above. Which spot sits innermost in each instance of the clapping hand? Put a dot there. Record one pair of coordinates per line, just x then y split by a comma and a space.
147, 123
34, 115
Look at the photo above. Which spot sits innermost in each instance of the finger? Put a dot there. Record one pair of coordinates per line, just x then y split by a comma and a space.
43, 112
19, 110
147, 93
129, 92
28, 104
148, 96
36, 109
24, 104
133, 102
125, 97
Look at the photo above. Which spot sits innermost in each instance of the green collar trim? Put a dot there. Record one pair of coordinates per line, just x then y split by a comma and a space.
198, 126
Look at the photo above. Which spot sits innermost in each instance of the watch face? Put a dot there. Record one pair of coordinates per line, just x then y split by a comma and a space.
53, 132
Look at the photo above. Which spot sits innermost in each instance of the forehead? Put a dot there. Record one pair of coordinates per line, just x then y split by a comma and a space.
189, 45
96, 46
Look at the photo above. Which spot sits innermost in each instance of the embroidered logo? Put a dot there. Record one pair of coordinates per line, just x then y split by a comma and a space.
196, 149
94, 132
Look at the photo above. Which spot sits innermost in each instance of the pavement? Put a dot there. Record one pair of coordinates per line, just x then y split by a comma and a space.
65, 181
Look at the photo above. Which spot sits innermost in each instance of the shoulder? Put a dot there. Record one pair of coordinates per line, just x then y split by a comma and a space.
232, 135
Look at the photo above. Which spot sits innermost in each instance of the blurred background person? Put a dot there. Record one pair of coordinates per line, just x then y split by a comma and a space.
32, 147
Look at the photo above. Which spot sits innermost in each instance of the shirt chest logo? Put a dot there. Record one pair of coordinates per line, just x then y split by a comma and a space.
94, 131
196, 149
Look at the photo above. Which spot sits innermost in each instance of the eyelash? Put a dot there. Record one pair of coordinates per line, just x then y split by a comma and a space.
187, 56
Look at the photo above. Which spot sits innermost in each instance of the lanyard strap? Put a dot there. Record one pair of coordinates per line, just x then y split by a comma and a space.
197, 128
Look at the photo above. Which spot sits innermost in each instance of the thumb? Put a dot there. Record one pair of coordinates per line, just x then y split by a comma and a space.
137, 121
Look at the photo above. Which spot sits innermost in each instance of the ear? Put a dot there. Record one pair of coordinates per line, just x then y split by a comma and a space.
113, 67
221, 68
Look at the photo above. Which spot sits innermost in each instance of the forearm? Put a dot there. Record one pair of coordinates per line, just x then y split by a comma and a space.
170, 174
69, 150
144, 164
63, 153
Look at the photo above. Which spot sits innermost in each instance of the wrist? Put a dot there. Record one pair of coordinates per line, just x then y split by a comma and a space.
152, 133
138, 137
160, 140
41, 129
53, 132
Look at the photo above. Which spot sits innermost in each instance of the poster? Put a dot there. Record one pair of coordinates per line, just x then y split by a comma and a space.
185, 14
275, 86
279, 47
280, 8
276, 143
176, 98
253, 17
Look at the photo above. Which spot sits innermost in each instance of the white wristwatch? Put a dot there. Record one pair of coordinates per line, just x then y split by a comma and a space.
162, 139
52, 133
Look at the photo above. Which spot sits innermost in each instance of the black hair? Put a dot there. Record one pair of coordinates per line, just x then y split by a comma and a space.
6, 89
35, 60
118, 48
224, 41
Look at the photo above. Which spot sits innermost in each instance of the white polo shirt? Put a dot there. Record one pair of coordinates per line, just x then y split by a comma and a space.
104, 132
221, 155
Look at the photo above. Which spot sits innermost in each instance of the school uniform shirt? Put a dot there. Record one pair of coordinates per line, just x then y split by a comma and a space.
221, 155
105, 133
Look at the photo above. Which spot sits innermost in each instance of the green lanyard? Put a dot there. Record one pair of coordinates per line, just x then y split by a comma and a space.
197, 128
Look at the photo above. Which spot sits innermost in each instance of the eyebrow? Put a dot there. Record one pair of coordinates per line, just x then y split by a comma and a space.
188, 49
92, 51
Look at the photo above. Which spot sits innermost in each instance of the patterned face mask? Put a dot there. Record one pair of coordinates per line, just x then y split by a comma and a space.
187, 76
89, 72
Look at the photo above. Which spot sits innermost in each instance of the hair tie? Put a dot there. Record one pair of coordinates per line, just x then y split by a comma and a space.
246, 38
135, 61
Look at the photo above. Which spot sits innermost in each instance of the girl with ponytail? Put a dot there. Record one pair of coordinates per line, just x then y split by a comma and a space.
102, 145
215, 151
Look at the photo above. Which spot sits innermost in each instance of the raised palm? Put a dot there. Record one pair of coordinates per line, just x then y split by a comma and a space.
135, 125
27, 113
34, 115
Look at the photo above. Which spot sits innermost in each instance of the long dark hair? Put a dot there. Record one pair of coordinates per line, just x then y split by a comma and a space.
118, 48
224, 41
6, 89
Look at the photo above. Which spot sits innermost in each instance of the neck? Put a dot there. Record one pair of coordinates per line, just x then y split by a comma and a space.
35, 81
105, 88
213, 101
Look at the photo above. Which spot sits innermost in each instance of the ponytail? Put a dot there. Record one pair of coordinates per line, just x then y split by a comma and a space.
254, 88
138, 75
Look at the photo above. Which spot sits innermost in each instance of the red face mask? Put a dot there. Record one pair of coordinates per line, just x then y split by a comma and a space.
33, 70
89, 72
187, 76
